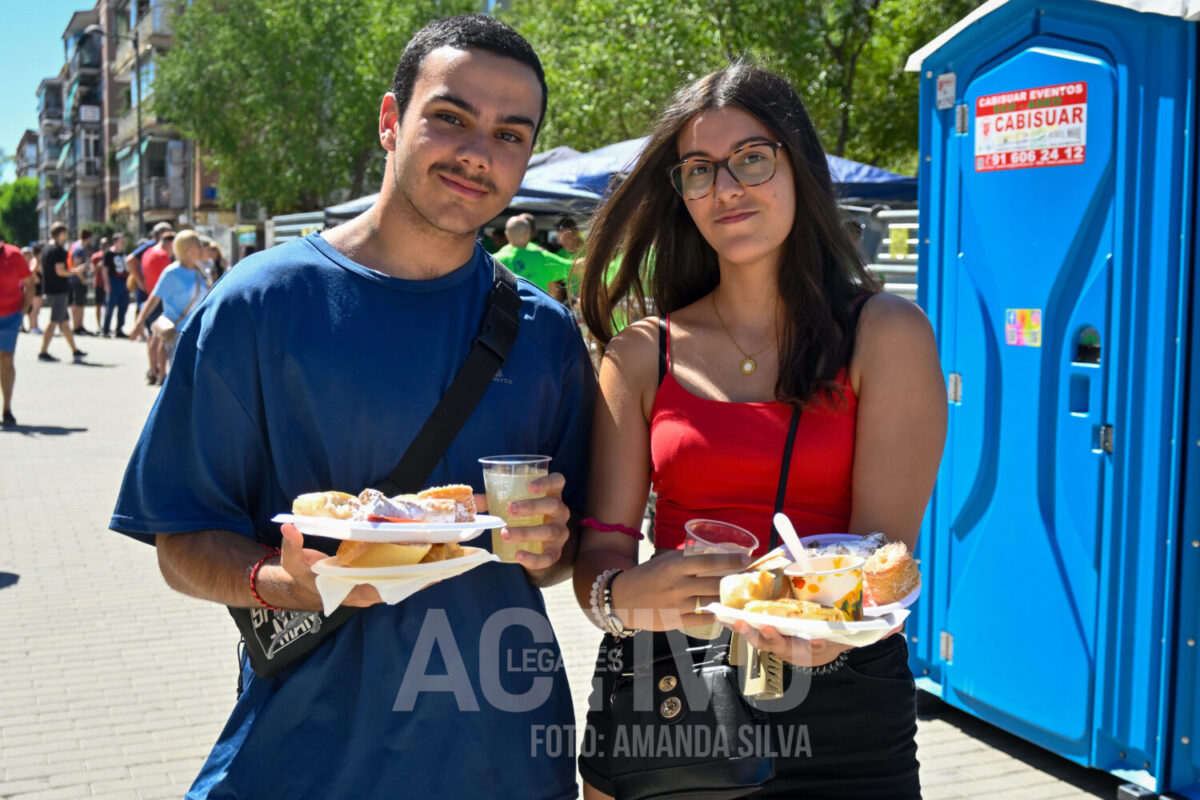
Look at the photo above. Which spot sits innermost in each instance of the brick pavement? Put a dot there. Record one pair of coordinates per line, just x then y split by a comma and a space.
113, 686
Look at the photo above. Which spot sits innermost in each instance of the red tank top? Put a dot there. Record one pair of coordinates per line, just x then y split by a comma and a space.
717, 460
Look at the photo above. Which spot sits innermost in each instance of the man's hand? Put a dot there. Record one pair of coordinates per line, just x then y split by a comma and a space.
553, 533
301, 590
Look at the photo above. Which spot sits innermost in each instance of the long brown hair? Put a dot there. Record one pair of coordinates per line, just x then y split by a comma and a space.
647, 222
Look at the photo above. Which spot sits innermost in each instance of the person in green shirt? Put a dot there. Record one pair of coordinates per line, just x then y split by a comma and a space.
538, 266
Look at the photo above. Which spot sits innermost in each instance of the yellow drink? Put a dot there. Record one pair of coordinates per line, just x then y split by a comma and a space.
506, 480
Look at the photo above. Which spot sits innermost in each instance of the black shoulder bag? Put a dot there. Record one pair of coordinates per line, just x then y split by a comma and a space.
274, 640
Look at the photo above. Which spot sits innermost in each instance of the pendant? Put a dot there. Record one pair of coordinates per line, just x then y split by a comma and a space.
748, 366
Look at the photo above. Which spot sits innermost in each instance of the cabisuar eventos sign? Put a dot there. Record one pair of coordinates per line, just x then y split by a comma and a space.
1042, 127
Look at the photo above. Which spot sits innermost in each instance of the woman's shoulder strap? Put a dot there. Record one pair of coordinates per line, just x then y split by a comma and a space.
664, 339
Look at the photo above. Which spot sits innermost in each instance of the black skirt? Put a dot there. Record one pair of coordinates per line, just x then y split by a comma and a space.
852, 736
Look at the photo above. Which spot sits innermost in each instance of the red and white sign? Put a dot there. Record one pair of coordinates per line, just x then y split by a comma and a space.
1042, 127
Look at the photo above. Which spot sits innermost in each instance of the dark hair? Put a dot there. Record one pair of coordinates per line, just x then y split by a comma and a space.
56, 229
566, 223
646, 221
465, 32
85, 234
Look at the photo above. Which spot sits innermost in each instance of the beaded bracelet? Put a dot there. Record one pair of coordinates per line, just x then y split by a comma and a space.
254, 579
604, 526
598, 586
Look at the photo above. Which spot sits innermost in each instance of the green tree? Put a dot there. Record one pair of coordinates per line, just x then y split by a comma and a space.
18, 211
612, 64
283, 95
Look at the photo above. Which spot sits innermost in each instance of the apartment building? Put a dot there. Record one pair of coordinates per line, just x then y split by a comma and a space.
27, 155
104, 153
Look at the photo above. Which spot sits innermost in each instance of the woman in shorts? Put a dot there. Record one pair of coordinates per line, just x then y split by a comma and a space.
766, 309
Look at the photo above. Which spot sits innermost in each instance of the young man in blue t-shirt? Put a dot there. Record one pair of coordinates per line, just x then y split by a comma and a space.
311, 368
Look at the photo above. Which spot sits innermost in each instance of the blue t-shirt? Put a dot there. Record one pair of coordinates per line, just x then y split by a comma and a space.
303, 371
176, 287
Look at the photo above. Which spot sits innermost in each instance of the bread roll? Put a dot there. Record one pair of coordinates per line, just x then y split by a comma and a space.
338, 505
353, 553
889, 575
739, 589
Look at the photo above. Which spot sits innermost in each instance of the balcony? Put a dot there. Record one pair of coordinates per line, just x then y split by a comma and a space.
89, 171
50, 119
155, 29
48, 159
164, 193
85, 61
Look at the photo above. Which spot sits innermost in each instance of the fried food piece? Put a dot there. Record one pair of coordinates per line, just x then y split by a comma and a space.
890, 575
443, 552
462, 495
338, 505
740, 589
352, 553
795, 609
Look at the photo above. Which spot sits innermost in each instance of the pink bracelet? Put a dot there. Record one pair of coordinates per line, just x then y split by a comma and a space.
600, 526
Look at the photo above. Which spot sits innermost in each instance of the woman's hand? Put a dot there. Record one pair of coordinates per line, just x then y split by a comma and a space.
663, 593
792, 649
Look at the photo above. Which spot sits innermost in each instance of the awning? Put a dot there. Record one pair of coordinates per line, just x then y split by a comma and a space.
61, 202
124, 151
65, 154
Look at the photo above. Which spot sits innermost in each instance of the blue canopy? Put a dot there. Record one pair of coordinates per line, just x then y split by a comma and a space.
577, 184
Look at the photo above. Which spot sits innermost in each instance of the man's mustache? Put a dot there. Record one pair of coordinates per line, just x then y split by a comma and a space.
459, 171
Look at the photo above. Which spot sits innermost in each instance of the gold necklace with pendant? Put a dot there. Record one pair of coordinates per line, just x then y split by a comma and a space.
748, 365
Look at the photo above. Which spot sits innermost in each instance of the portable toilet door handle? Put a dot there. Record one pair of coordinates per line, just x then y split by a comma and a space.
1102, 439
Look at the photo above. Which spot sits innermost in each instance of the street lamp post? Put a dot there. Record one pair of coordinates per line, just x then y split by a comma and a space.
137, 147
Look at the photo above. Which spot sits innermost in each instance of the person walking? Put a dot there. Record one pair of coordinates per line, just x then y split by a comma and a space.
35, 303
772, 339
152, 263
79, 262
99, 280
56, 276
313, 366
118, 286
180, 287
16, 293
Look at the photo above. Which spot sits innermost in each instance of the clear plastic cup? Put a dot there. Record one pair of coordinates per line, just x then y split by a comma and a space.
707, 536
506, 479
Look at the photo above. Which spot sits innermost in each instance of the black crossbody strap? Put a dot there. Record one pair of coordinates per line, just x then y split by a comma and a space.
488, 351
784, 469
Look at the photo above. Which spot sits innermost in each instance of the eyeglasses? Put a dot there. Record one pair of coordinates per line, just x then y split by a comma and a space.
750, 165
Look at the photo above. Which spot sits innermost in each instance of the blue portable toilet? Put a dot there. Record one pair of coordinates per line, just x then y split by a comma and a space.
1061, 549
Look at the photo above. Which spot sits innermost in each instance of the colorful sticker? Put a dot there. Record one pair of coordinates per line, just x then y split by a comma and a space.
1042, 127
1023, 327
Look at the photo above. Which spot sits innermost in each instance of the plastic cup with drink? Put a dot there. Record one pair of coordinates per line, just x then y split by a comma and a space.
708, 536
506, 480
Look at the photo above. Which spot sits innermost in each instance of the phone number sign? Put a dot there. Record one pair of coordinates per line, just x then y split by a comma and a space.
1041, 127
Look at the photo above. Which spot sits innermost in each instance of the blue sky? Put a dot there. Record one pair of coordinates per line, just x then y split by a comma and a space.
32, 50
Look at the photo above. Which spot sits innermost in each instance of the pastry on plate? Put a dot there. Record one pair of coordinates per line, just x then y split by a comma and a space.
890, 575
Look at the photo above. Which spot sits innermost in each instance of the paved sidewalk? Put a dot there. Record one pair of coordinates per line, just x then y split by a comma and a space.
112, 685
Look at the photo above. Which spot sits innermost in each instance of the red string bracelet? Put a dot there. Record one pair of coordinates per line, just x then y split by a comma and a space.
254, 579
602, 526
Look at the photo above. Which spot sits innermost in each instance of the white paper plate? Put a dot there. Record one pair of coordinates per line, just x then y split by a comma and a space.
437, 569
412, 532
884, 610
853, 634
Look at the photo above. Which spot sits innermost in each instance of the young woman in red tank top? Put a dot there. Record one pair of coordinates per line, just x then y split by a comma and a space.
766, 308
